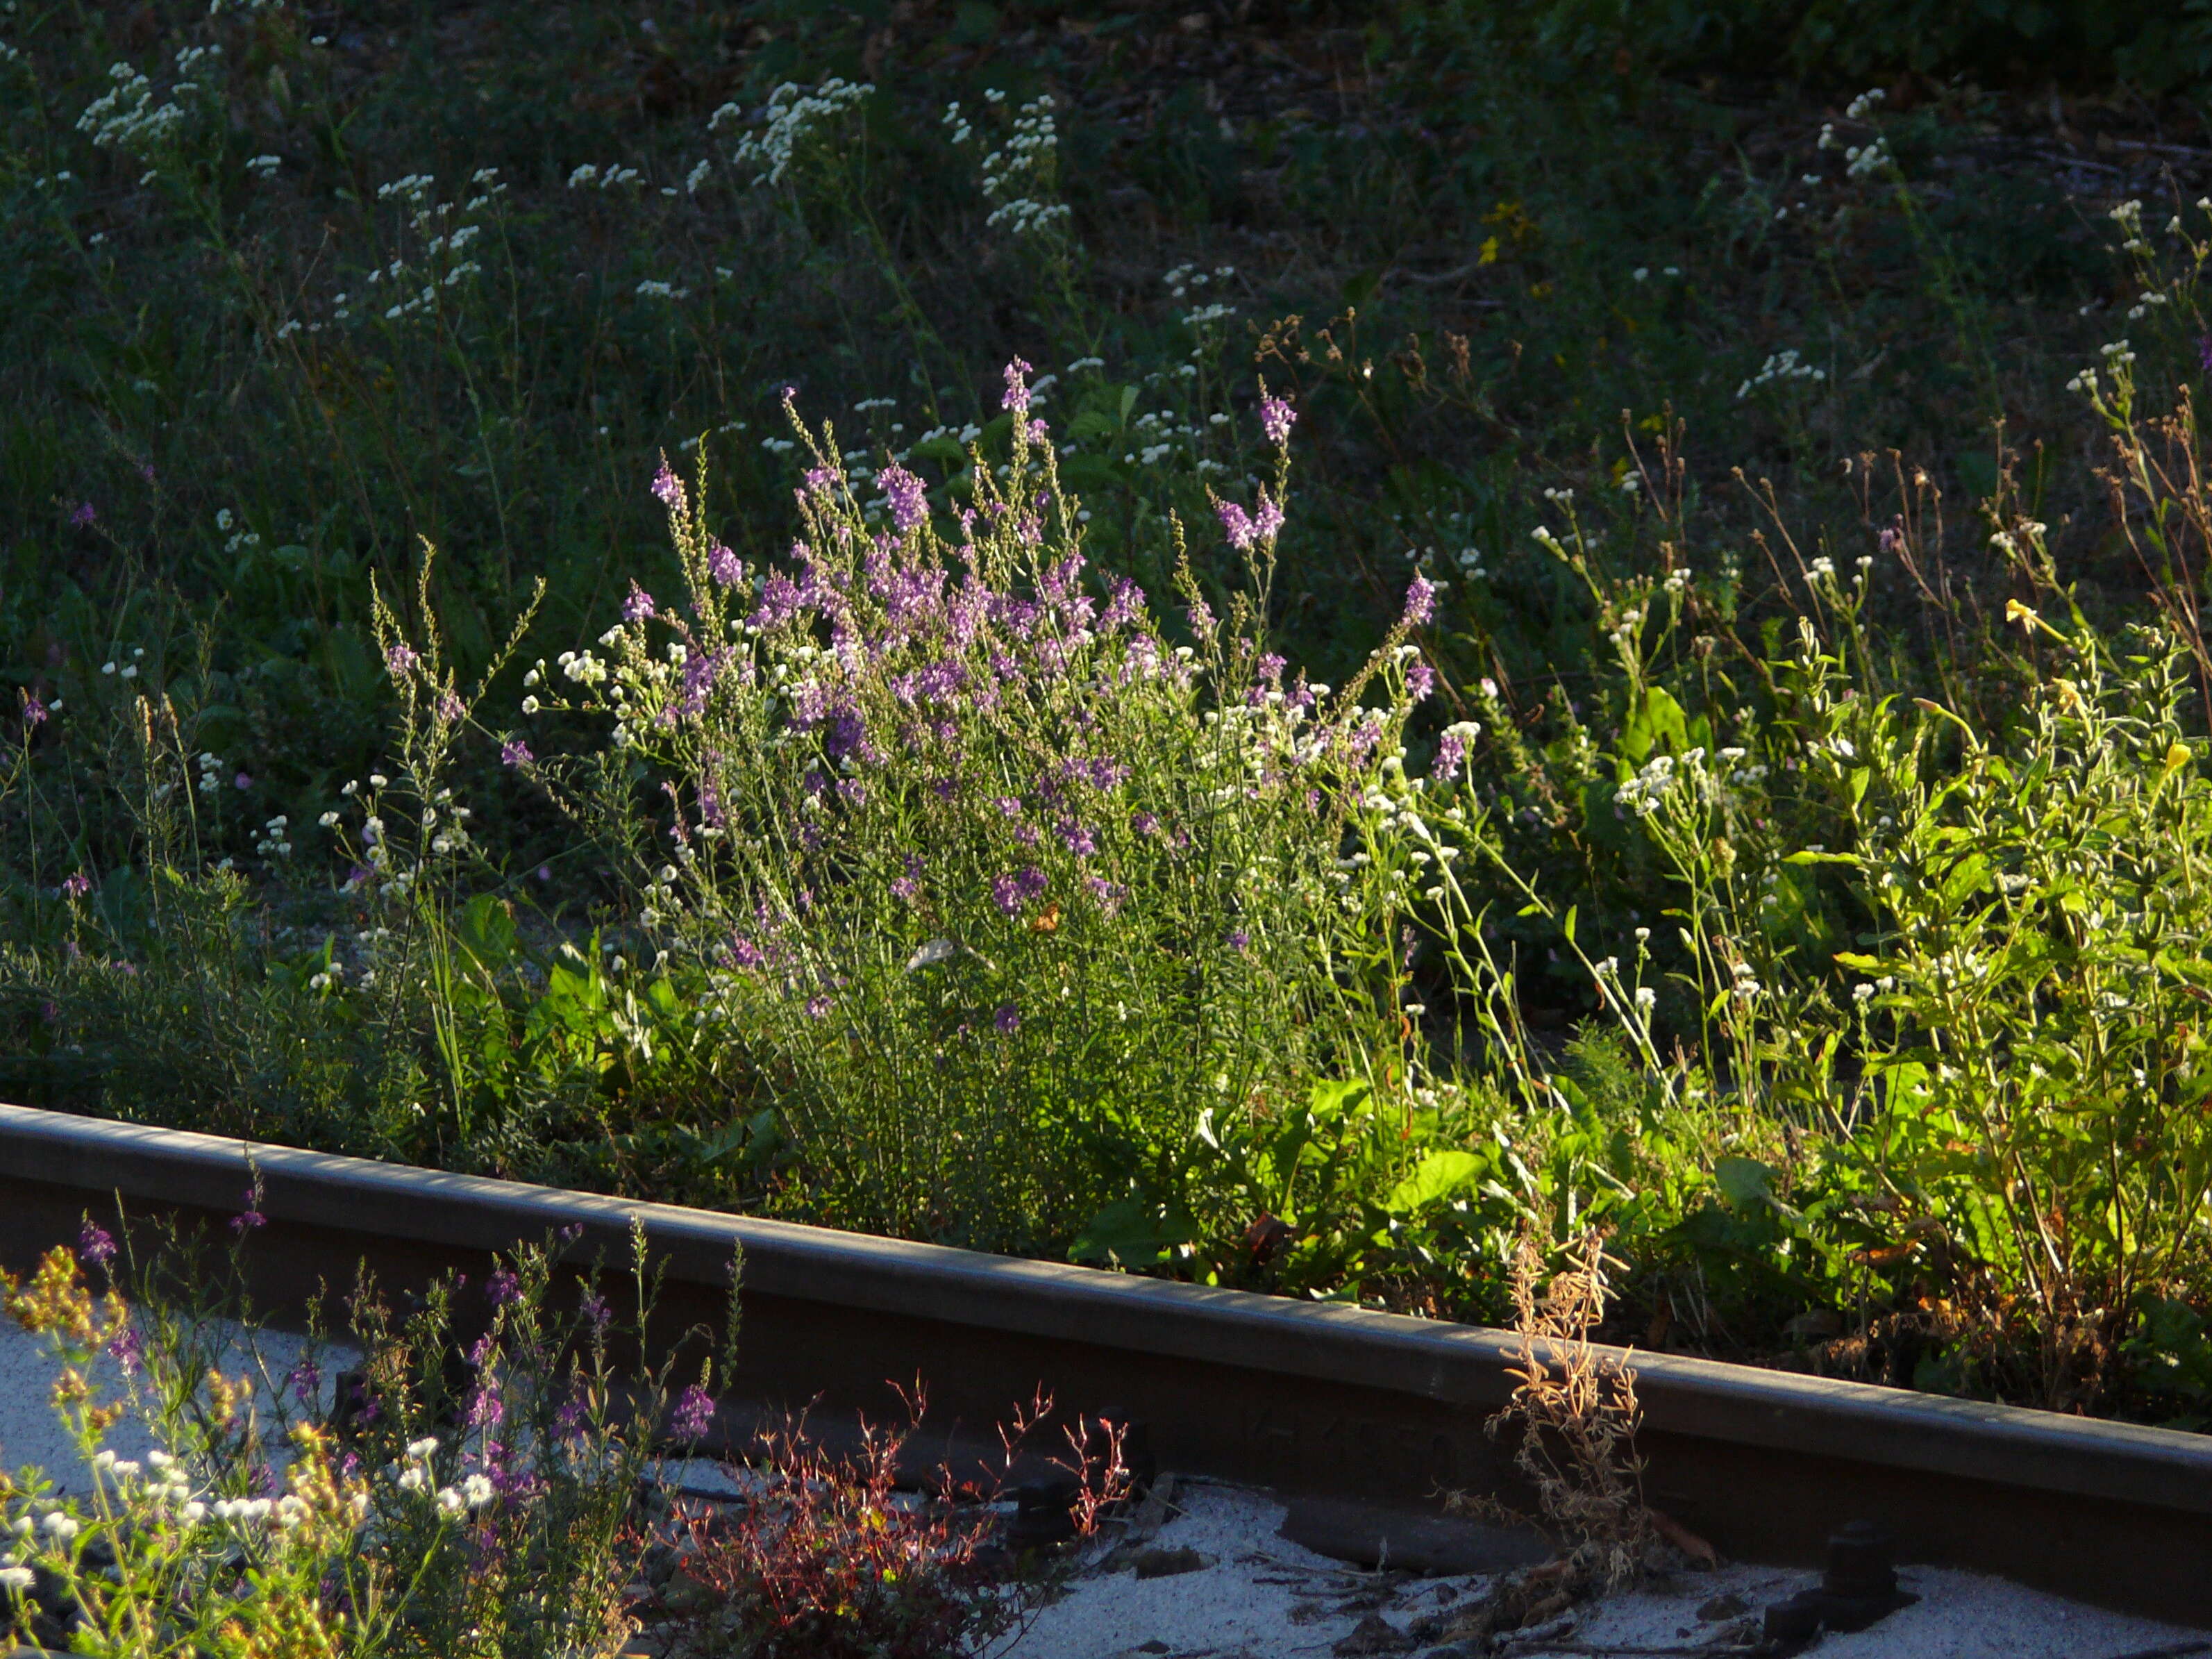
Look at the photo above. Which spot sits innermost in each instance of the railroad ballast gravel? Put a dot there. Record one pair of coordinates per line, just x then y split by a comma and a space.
1214, 1580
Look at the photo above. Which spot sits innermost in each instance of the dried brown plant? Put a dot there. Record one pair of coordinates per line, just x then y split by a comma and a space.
1576, 1413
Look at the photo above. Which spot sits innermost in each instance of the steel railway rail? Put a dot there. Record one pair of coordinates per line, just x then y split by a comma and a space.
1317, 1399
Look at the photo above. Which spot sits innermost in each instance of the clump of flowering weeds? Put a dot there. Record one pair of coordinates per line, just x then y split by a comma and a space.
1006, 888
825, 1556
443, 1497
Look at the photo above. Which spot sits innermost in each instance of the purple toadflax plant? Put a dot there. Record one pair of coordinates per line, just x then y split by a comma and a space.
1001, 885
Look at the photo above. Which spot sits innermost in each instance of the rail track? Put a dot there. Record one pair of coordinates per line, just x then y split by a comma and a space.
1323, 1400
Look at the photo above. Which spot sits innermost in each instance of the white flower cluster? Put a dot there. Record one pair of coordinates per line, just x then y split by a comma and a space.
1019, 175
1183, 278
276, 838
127, 670
791, 115
129, 118
1780, 369
2117, 353
440, 264
1645, 793
2127, 215
615, 177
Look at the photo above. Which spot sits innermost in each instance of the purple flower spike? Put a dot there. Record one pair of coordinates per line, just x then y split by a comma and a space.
1420, 602
2205, 354
1247, 530
1420, 678
1018, 387
669, 488
84, 517
723, 566
94, 1244
400, 659
1007, 1020
909, 497
34, 712
77, 884
638, 606
1276, 419
1237, 523
694, 1414
516, 752
503, 1287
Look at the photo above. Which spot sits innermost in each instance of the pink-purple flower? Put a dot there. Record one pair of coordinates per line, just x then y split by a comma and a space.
669, 488
1246, 531
1018, 387
909, 496
1451, 755
723, 565
94, 1243
76, 885
639, 605
1420, 602
516, 752
1007, 1020
694, 1414
1276, 419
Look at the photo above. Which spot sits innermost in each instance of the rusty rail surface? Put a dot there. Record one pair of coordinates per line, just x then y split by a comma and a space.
1327, 1401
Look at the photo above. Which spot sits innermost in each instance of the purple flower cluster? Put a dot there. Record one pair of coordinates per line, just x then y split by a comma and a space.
1276, 419
639, 605
693, 1413
908, 498
1247, 531
1012, 893
94, 1244
669, 488
516, 752
1420, 602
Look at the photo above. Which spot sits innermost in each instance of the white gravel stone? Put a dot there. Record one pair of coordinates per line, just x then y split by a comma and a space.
1266, 1598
